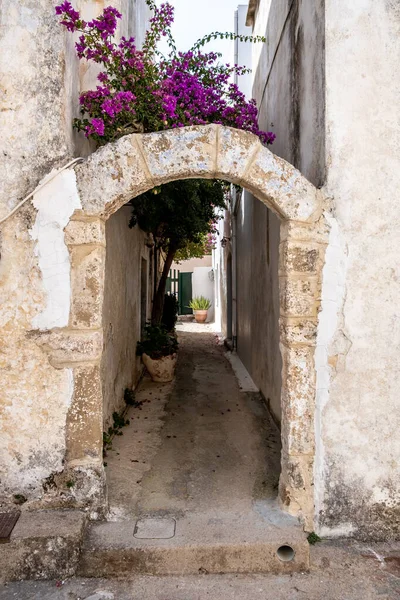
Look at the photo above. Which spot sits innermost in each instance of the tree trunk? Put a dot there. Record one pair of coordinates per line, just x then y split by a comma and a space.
158, 301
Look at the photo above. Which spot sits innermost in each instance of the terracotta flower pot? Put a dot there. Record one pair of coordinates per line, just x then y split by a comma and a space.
162, 369
200, 315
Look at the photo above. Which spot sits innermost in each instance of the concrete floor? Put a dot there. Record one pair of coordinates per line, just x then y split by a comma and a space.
197, 445
193, 480
340, 571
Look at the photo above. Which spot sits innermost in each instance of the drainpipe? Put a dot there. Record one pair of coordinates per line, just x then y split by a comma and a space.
235, 206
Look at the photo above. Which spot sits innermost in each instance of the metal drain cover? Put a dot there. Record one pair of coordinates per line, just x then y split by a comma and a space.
154, 528
7, 524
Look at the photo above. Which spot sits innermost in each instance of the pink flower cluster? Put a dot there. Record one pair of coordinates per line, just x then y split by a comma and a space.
142, 87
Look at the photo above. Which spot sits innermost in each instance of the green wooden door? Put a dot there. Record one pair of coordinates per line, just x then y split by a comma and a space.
185, 293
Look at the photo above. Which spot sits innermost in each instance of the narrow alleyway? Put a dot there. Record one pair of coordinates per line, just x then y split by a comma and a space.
199, 445
192, 482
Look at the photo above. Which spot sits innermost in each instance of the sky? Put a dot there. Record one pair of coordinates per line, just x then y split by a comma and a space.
194, 19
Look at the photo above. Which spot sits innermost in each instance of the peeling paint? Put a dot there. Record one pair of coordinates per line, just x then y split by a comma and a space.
332, 297
55, 203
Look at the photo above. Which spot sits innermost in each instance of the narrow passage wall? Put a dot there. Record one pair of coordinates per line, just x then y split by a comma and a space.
120, 367
257, 230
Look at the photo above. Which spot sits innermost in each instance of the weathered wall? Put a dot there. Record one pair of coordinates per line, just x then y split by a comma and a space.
120, 367
39, 86
358, 455
41, 78
289, 81
257, 230
34, 396
258, 297
345, 134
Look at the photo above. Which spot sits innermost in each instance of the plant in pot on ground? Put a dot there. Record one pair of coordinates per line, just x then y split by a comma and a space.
200, 306
158, 350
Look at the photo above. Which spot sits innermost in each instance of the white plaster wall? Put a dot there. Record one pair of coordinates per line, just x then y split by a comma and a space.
55, 203
187, 266
348, 139
358, 482
41, 78
203, 285
218, 264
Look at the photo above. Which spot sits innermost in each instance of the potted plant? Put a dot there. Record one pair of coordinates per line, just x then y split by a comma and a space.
200, 306
158, 351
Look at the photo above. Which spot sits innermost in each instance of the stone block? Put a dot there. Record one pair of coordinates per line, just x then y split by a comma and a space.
317, 232
235, 149
201, 544
276, 183
66, 346
298, 399
300, 257
84, 436
180, 153
295, 484
298, 330
85, 232
112, 176
87, 278
299, 297
44, 544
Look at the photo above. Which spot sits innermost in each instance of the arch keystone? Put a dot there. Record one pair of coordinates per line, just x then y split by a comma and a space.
236, 151
184, 153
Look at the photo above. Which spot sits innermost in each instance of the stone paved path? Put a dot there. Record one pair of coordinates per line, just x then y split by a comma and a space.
199, 444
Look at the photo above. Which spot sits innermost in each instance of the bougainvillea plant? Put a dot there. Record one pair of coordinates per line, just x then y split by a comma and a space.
141, 90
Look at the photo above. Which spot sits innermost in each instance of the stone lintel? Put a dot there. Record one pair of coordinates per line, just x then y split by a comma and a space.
69, 346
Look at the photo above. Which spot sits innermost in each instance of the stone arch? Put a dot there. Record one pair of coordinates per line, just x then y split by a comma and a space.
111, 177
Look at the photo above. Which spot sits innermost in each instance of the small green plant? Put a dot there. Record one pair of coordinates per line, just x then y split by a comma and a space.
200, 303
119, 421
313, 538
158, 342
129, 397
70, 483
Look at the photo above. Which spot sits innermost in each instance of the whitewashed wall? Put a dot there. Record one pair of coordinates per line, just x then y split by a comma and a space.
340, 126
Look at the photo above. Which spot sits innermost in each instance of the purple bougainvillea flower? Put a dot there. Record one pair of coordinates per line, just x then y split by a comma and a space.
96, 126
183, 88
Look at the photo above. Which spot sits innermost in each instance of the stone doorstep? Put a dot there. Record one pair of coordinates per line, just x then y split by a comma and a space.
56, 544
223, 543
44, 544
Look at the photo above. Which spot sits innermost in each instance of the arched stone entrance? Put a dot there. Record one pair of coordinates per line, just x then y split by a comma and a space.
120, 171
